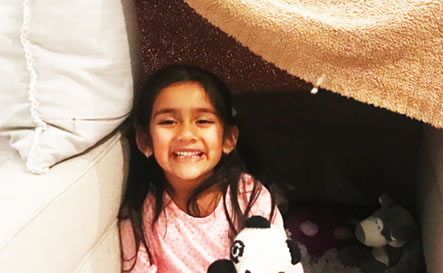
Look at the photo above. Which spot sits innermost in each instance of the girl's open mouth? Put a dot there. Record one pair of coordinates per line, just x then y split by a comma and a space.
188, 154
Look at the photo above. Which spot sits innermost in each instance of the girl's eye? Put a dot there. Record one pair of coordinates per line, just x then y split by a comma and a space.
167, 122
204, 121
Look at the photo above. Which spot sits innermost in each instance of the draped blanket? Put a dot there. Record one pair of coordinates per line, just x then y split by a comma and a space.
387, 53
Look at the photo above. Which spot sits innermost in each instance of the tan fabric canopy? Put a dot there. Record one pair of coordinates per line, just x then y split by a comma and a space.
387, 53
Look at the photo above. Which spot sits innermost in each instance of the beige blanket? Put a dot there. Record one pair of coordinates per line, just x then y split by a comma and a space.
387, 53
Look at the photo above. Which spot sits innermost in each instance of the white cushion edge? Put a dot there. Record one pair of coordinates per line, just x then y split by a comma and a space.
105, 255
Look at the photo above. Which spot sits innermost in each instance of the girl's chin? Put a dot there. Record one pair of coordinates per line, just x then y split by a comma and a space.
191, 176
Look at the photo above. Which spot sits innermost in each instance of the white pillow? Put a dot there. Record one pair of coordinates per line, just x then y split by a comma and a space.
65, 75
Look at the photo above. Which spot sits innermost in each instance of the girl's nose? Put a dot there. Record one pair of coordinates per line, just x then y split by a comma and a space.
186, 132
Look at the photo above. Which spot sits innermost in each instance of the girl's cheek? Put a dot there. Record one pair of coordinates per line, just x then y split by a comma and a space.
160, 131
157, 137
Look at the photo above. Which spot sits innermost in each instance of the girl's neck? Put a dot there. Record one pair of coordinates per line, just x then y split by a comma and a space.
207, 201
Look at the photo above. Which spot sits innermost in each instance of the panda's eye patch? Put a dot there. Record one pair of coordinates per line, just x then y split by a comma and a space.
247, 271
237, 250
379, 224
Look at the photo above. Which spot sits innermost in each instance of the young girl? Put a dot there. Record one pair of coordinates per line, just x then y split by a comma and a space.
188, 195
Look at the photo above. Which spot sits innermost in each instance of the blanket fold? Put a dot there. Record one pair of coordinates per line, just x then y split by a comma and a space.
388, 53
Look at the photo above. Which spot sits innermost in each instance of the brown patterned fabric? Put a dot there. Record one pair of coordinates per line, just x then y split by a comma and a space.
172, 32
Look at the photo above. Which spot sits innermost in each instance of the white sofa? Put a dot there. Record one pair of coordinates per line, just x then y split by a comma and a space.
64, 220
67, 77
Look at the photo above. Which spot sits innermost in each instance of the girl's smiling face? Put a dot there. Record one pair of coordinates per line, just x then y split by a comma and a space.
186, 135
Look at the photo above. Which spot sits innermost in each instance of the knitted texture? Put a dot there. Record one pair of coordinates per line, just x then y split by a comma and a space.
388, 53
384, 53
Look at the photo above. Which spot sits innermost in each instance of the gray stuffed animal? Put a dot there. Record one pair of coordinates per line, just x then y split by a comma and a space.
389, 241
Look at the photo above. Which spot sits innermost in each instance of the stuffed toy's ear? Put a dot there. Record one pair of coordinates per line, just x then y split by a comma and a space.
295, 251
257, 221
385, 201
222, 266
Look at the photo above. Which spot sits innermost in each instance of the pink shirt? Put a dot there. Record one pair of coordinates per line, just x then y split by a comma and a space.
181, 243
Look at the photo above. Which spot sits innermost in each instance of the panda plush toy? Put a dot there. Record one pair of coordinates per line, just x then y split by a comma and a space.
260, 248
389, 241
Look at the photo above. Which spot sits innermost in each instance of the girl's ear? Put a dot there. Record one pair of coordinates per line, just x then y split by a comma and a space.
230, 139
143, 140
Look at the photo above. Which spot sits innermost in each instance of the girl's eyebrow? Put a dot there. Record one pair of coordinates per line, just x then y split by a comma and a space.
164, 111
205, 110
174, 110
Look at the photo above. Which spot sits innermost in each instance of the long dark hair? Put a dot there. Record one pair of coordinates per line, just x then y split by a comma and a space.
145, 175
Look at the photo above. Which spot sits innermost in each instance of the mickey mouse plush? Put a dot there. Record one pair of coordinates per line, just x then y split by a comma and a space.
390, 241
260, 248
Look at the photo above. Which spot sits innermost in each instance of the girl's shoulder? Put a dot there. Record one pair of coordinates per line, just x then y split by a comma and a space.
251, 189
247, 183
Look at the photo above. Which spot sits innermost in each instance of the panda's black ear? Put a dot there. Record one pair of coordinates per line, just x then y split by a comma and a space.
295, 251
222, 266
257, 221
385, 201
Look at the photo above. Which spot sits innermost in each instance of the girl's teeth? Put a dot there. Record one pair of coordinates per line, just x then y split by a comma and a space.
187, 154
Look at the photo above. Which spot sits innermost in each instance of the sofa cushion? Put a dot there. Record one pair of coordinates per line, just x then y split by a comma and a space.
105, 256
51, 222
65, 75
